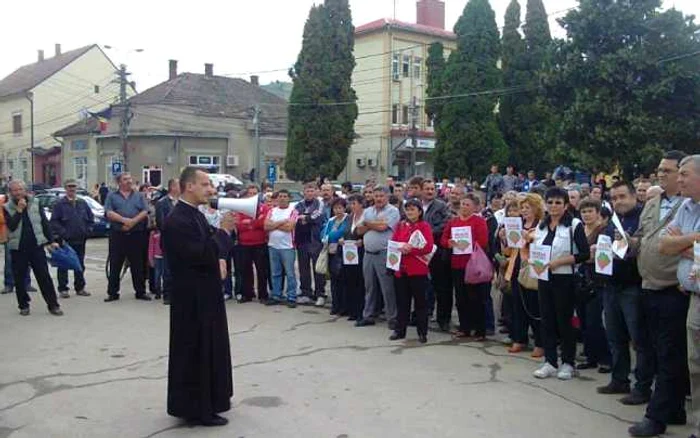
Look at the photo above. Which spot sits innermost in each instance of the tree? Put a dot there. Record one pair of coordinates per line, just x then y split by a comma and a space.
468, 138
625, 84
322, 107
436, 70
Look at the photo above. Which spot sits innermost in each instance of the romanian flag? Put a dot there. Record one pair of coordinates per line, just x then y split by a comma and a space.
102, 124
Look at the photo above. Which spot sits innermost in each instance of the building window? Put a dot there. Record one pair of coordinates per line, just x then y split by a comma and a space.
395, 114
80, 170
17, 124
212, 163
417, 64
10, 165
395, 67
431, 122
78, 145
25, 169
97, 89
406, 65
404, 115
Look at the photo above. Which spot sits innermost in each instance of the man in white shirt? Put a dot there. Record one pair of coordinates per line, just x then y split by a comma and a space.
280, 225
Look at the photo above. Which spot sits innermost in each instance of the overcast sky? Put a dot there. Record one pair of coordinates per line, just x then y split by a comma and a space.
240, 37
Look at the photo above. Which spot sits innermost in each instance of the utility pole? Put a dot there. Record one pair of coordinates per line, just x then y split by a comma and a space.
258, 152
122, 80
414, 135
30, 97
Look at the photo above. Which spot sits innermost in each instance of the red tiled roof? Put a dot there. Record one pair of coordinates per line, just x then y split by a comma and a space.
402, 25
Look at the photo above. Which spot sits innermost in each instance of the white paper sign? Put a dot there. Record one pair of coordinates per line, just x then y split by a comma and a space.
417, 240
426, 258
604, 256
351, 255
393, 255
514, 232
463, 237
619, 247
696, 263
539, 261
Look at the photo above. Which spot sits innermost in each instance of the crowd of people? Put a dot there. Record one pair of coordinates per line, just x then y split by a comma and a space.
408, 254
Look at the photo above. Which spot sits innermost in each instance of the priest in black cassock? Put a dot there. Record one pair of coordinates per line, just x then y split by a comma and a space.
200, 377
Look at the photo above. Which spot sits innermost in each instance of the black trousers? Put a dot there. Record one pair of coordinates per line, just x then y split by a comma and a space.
78, 277
441, 279
407, 289
237, 255
126, 246
666, 313
339, 290
471, 304
254, 254
354, 288
557, 302
307, 255
36, 259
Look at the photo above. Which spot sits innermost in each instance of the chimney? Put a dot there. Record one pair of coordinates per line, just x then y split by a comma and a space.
431, 13
58, 49
255, 80
41, 55
209, 70
172, 70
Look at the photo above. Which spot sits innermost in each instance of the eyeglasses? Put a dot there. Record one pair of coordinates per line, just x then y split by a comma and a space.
555, 202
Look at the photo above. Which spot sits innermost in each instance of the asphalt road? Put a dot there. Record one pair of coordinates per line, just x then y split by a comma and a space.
100, 371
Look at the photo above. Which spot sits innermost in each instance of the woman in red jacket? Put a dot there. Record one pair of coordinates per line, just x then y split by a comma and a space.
470, 298
411, 279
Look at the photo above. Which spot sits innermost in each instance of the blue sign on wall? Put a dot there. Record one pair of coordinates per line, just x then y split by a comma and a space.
116, 168
272, 172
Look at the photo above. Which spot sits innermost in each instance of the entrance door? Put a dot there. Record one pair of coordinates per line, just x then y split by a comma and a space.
152, 175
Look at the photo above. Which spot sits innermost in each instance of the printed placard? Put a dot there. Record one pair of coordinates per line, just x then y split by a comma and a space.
539, 261
619, 247
463, 237
514, 232
393, 255
604, 256
351, 254
417, 240
426, 258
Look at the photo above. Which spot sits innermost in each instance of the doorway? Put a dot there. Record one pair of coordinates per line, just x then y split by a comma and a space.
152, 175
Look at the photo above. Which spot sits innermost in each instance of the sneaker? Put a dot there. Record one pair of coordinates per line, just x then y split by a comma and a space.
7, 290
320, 302
82, 293
545, 371
24, 312
304, 300
566, 372
64, 294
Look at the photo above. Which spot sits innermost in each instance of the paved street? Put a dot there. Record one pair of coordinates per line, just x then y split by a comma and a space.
100, 372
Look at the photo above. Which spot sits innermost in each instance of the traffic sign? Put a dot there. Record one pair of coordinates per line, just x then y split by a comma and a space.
116, 168
272, 172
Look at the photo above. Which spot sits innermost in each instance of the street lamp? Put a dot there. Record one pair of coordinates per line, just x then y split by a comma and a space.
30, 98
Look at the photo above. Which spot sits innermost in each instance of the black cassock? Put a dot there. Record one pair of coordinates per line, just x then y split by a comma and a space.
200, 378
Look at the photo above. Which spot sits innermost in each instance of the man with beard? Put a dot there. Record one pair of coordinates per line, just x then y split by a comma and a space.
200, 380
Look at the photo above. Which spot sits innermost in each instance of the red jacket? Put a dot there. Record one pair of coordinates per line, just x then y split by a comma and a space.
411, 265
480, 235
251, 232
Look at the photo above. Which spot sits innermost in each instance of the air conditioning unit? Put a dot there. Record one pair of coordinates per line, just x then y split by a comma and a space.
361, 162
232, 161
372, 162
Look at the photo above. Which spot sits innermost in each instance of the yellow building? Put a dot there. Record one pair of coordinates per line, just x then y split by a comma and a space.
390, 81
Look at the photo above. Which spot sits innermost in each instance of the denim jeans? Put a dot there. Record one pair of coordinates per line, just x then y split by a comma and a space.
9, 280
159, 269
625, 322
282, 263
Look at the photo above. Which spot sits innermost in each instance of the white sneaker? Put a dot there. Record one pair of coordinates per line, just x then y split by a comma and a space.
545, 371
566, 372
304, 301
320, 302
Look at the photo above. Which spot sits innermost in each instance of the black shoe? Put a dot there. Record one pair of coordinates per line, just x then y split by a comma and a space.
635, 399
334, 312
678, 419
646, 427
166, 301
291, 304
444, 327
272, 302
614, 388
604, 369
111, 298
396, 336
7, 290
56, 311
587, 366
422, 339
143, 297
364, 323
24, 312
156, 296
352, 318
213, 421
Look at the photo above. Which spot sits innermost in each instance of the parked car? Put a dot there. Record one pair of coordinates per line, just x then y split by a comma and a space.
101, 226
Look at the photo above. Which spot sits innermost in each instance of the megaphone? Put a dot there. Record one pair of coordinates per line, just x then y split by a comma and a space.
247, 206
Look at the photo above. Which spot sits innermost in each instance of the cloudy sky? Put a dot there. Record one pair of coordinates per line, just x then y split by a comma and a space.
240, 37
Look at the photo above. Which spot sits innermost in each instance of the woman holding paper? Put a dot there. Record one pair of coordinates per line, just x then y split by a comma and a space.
411, 279
353, 255
460, 234
331, 234
559, 243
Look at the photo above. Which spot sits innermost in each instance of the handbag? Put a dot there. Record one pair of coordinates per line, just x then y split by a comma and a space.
479, 269
524, 278
65, 257
321, 266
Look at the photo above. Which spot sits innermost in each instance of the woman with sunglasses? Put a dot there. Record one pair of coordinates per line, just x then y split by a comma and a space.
566, 237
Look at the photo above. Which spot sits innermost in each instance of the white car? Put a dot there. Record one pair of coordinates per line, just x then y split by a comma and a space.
222, 178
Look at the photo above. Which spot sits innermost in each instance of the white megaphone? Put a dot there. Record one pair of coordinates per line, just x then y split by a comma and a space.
247, 206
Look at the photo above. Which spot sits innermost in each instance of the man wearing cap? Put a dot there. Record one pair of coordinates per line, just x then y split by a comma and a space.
376, 227
72, 220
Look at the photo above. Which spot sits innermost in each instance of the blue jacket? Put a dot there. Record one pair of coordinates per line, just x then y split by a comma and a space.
309, 232
331, 235
72, 221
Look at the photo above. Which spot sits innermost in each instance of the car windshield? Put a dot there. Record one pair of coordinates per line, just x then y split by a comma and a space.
94, 205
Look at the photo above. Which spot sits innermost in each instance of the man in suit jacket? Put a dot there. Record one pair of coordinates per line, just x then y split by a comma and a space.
200, 378
163, 208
